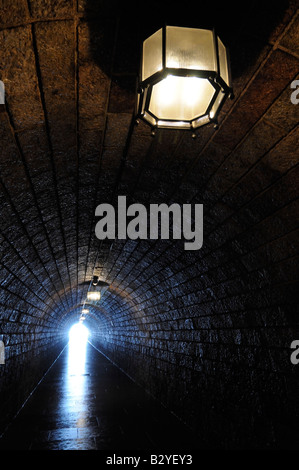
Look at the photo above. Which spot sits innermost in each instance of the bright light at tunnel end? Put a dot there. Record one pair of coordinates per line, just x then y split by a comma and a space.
78, 333
78, 337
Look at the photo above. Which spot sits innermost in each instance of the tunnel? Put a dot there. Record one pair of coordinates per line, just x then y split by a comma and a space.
187, 349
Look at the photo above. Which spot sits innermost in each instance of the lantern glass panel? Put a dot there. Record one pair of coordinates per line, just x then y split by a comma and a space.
223, 62
174, 124
150, 119
180, 98
190, 48
152, 55
201, 121
217, 104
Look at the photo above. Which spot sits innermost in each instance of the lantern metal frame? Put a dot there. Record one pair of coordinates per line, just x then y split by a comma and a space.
145, 89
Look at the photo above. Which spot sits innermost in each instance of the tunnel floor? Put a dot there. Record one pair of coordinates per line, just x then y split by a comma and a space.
96, 408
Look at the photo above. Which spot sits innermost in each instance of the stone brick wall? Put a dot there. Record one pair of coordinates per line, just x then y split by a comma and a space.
215, 349
28, 356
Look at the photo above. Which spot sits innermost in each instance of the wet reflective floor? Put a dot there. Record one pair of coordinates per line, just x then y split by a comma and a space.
86, 403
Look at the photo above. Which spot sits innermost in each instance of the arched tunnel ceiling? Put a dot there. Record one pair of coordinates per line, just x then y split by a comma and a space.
69, 70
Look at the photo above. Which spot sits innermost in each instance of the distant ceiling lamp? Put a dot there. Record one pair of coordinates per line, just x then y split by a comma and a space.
94, 295
85, 310
184, 78
97, 289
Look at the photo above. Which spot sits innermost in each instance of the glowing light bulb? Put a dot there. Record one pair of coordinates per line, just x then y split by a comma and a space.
167, 90
180, 98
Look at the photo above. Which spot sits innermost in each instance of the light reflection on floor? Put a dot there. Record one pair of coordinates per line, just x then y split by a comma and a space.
74, 401
86, 403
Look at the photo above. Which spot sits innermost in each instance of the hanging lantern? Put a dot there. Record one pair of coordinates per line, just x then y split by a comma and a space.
97, 289
184, 78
